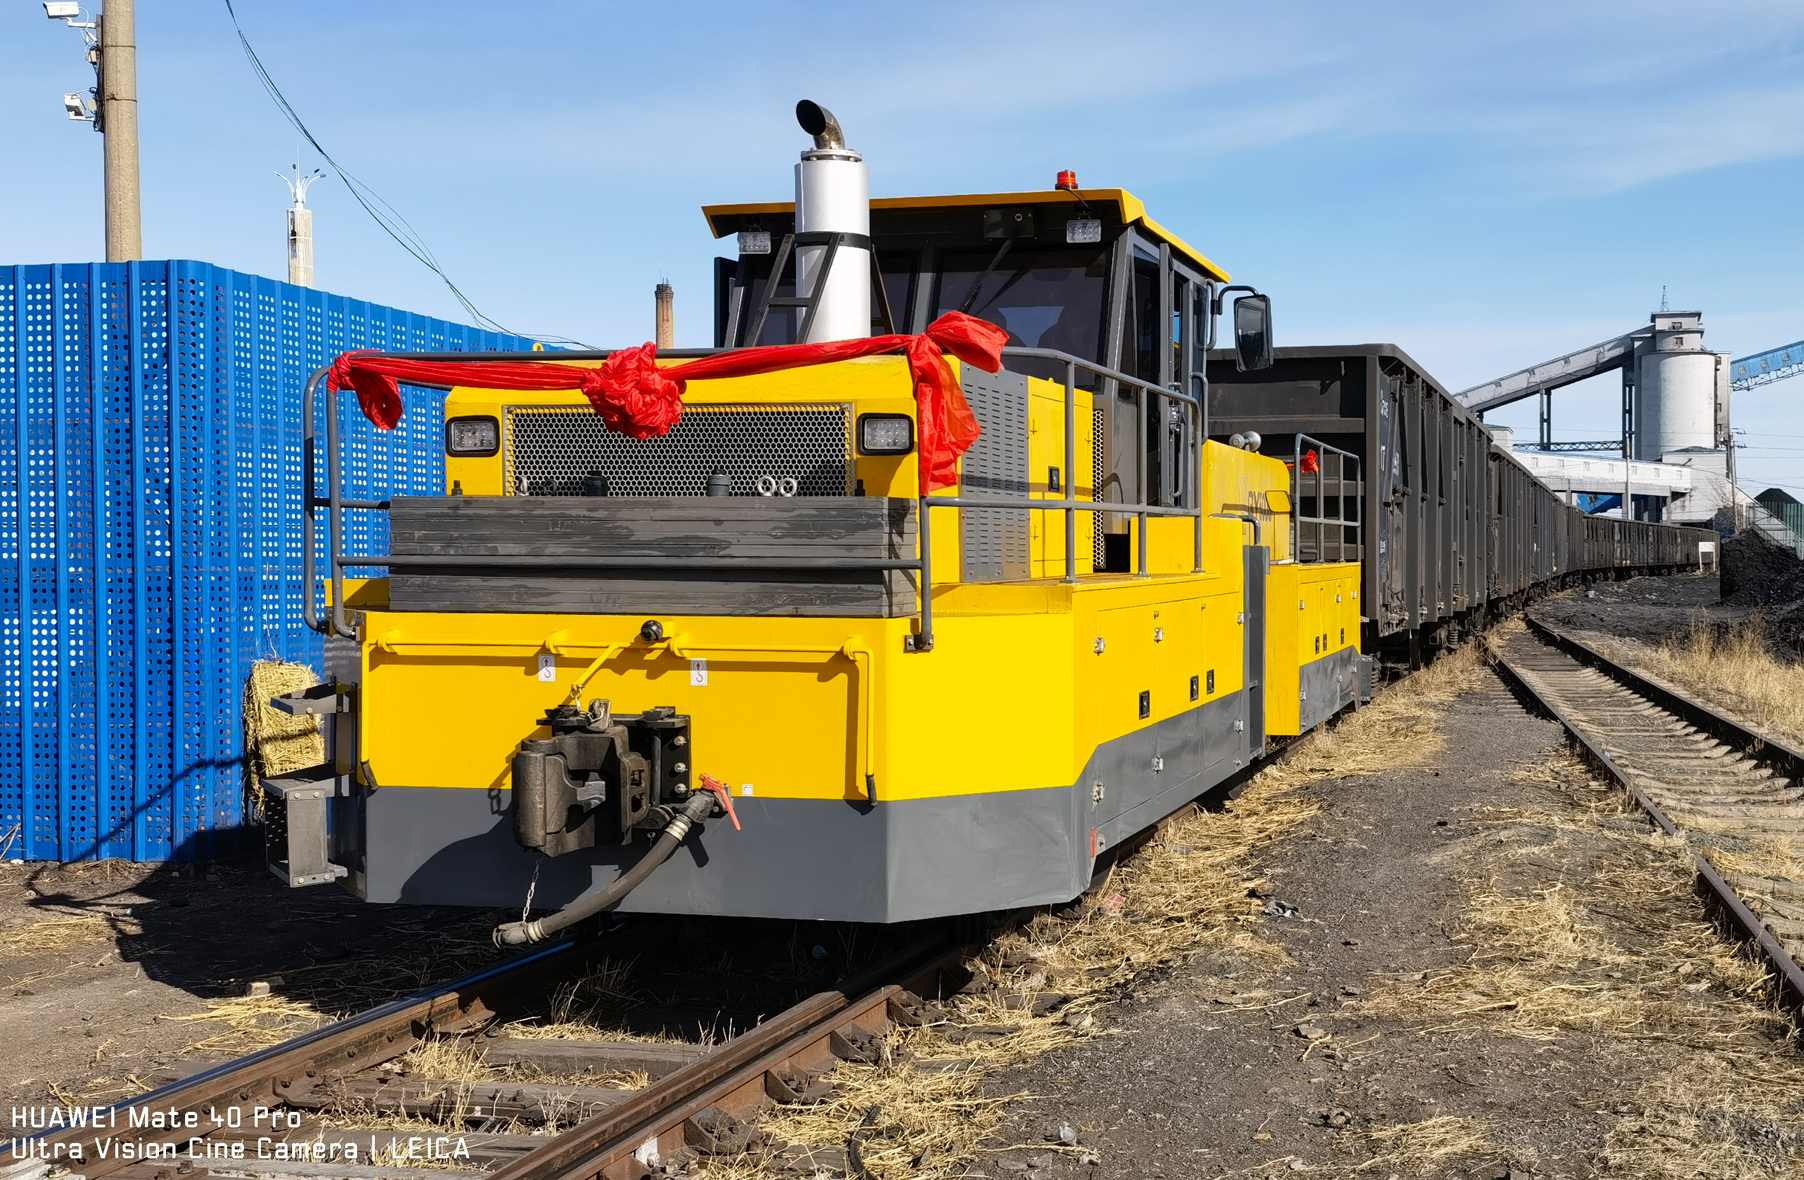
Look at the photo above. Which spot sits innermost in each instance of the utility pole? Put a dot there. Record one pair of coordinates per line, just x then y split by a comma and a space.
113, 52
119, 122
1631, 380
300, 226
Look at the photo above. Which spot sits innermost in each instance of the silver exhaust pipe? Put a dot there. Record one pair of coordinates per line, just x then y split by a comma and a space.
833, 195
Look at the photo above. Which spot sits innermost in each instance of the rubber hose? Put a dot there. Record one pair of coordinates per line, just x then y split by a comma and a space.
527, 933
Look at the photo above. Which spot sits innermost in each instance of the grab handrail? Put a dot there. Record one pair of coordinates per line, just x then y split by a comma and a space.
335, 503
1321, 523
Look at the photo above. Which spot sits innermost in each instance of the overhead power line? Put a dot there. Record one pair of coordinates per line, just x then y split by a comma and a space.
381, 212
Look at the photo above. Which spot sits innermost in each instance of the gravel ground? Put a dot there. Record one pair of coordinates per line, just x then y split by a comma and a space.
1193, 1083
95, 959
1650, 610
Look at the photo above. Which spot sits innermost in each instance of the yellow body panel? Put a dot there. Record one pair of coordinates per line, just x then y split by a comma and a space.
805, 708
1243, 483
1025, 681
1312, 611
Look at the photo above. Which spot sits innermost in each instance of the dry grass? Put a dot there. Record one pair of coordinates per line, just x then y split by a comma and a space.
1186, 894
1615, 951
49, 936
1397, 730
1725, 1116
588, 1007
1418, 1147
276, 743
452, 1060
255, 1022
1181, 896
1552, 958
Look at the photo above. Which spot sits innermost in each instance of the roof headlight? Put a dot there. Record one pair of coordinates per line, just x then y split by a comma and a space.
885, 434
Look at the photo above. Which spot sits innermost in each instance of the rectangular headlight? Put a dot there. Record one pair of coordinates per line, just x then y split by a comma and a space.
885, 434
478, 435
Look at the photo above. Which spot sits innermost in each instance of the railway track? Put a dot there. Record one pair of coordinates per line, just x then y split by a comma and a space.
1698, 775
280, 1113
599, 1109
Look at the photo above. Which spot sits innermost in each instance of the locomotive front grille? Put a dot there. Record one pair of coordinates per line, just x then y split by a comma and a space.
567, 451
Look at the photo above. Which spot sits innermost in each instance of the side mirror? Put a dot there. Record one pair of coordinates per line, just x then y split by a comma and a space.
1252, 332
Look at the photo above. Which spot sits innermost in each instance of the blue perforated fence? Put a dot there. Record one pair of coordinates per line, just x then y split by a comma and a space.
150, 542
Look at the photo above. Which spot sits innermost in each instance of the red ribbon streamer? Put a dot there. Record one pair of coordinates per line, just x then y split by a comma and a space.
638, 398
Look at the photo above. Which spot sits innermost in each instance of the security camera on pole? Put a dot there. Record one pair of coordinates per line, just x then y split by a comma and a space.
113, 109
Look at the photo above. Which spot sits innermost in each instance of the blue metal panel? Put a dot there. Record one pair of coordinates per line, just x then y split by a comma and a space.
150, 492
16, 796
1775, 364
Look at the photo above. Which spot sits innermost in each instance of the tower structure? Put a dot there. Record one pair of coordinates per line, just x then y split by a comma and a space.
300, 226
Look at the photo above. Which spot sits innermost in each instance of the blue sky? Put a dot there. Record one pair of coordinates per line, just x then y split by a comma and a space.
1486, 186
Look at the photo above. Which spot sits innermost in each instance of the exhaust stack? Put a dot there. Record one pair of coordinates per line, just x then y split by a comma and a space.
833, 195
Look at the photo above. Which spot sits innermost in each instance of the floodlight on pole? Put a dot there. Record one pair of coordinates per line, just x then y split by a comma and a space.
300, 226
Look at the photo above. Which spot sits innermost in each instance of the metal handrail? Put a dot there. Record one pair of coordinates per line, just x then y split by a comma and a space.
922, 640
1321, 522
335, 503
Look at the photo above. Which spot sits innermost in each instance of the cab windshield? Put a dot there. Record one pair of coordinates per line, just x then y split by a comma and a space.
1044, 299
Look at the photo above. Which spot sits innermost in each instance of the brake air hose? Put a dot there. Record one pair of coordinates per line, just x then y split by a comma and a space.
527, 933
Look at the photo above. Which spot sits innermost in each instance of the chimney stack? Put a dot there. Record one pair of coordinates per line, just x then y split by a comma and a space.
666, 298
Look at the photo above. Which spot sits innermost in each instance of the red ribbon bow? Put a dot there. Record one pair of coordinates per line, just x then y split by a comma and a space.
641, 399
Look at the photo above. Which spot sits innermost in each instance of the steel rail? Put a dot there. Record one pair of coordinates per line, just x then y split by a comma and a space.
348, 1046
1766, 750
620, 1143
734, 1079
1742, 920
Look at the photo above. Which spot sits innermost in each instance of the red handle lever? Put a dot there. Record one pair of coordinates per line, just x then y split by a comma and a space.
710, 783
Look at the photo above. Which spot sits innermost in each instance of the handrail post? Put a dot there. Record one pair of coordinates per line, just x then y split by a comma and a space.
1140, 464
1296, 499
309, 610
1201, 389
1196, 482
1070, 490
335, 517
922, 640
1321, 504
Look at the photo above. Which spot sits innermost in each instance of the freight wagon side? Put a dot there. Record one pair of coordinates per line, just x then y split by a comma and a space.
1456, 528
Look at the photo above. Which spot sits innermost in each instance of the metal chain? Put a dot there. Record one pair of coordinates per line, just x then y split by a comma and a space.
531, 887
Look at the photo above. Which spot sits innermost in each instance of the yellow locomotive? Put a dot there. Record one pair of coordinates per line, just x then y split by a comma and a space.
915, 702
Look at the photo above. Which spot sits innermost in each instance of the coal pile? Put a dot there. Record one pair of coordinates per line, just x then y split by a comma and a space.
1758, 573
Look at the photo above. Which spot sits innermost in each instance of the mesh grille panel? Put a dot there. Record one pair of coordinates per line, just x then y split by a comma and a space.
551, 452
1099, 476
